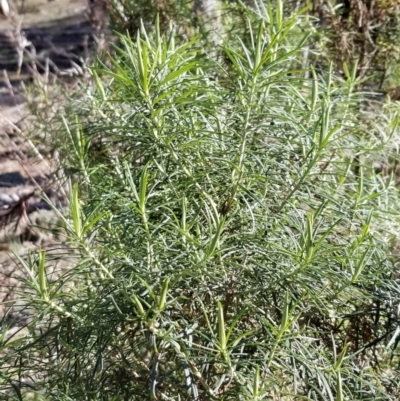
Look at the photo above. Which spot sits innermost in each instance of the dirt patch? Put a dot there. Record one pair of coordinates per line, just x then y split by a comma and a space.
41, 36
42, 13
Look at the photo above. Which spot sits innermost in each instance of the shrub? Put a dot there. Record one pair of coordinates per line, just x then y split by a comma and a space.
232, 230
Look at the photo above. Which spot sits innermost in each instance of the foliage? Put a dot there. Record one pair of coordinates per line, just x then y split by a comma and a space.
343, 30
364, 30
125, 15
232, 231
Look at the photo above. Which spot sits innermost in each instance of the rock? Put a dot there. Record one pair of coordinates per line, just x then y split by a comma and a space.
6, 199
4, 8
15, 197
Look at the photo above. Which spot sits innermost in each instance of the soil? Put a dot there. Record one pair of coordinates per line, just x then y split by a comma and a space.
53, 36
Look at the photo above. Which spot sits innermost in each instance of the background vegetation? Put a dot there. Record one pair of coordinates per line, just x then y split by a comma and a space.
235, 214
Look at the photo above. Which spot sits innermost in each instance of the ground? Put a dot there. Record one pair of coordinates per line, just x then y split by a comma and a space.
54, 33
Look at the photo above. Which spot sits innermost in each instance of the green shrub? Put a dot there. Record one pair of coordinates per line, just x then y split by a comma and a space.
232, 230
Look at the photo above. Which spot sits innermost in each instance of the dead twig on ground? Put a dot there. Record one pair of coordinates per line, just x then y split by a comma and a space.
17, 213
